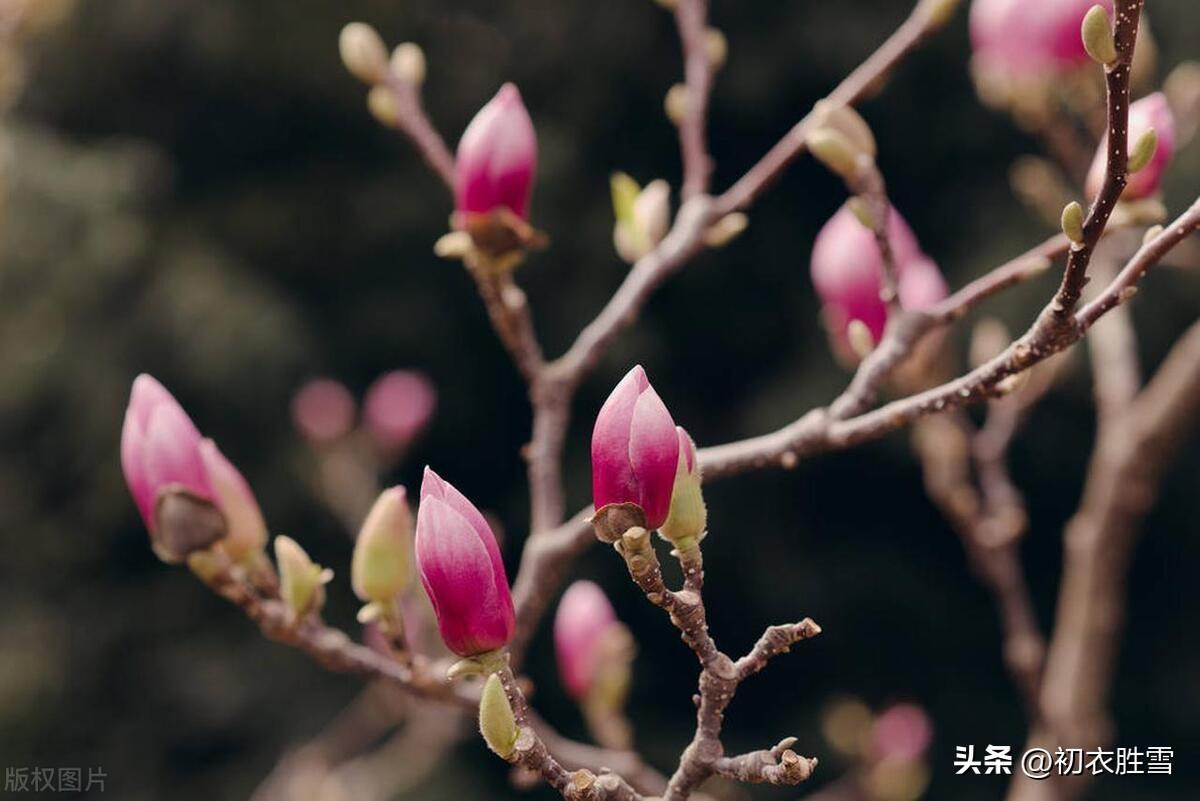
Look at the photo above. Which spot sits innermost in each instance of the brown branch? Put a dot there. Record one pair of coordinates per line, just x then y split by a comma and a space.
1132, 449
414, 123
720, 676
912, 32
691, 19
777, 765
335, 652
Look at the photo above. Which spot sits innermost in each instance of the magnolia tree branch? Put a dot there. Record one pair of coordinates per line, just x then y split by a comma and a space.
691, 17
1132, 449
926, 17
337, 653
719, 675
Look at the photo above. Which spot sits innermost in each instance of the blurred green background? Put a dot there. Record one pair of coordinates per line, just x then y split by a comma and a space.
194, 189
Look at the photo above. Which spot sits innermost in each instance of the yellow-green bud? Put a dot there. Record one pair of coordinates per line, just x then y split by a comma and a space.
939, 12
1097, 34
1072, 222
363, 52
1143, 150
408, 63
301, 581
717, 46
381, 102
858, 334
726, 229
382, 565
835, 151
643, 215
676, 103
496, 721
688, 517
849, 123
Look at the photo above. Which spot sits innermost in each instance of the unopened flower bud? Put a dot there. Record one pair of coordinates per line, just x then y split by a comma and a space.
382, 104
163, 454
363, 52
849, 123
398, 406
835, 151
245, 529
635, 450
717, 47
1072, 221
1096, 32
1153, 139
497, 157
676, 102
726, 229
901, 733
642, 215
860, 338
462, 572
584, 616
301, 581
323, 410
382, 565
847, 273
939, 12
688, 519
496, 721
1008, 38
408, 63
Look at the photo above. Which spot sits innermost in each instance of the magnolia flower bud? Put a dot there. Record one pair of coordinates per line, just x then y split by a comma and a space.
301, 581
901, 732
1152, 140
717, 47
189, 495
726, 229
847, 273
397, 407
363, 52
584, 615
497, 157
462, 572
323, 411
1020, 39
675, 103
496, 721
635, 450
408, 63
160, 447
1097, 35
642, 215
382, 565
382, 103
1072, 221
688, 517
245, 529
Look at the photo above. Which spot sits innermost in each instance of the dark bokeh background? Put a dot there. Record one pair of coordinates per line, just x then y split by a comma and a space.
196, 190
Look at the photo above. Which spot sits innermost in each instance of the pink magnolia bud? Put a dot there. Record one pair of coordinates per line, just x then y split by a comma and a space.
323, 410
397, 406
583, 616
902, 733
1152, 111
635, 449
497, 156
1023, 38
847, 272
461, 570
160, 448
245, 529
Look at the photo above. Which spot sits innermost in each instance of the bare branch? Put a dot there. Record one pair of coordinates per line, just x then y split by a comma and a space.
691, 19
